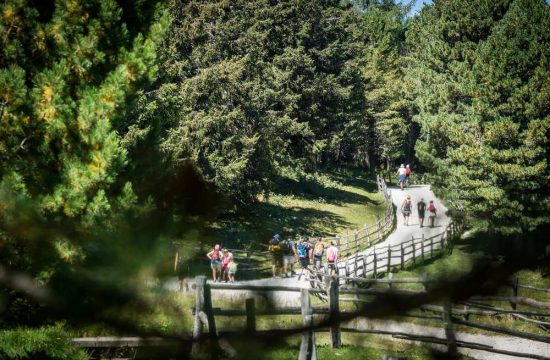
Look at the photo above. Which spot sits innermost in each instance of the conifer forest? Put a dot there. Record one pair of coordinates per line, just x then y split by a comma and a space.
131, 130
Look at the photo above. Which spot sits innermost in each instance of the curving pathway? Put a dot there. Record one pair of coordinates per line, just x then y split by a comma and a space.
401, 234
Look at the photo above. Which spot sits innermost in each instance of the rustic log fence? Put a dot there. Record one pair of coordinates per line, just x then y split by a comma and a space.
447, 314
348, 244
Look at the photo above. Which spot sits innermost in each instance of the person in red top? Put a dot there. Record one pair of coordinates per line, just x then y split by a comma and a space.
407, 174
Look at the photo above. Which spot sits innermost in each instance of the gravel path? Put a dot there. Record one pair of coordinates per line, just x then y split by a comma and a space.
401, 234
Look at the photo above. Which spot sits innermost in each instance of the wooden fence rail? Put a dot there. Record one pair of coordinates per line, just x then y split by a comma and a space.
449, 314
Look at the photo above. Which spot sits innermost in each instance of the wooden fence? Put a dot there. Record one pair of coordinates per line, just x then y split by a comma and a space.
348, 244
326, 318
379, 260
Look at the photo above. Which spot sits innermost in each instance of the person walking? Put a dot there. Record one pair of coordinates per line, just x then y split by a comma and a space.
402, 175
215, 257
289, 256
406, 209
304, 252
432, 213
276, 254
421, 207
318, 251
332, 258
181, 268
407, 174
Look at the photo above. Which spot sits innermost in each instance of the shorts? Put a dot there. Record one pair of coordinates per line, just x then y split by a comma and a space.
431, 214
289, 259
216, 265
402, 177
406, 213
332, 266
276, 259
304, 262
421, 215
317, 260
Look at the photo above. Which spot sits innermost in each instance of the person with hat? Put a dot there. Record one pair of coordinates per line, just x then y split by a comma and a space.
276, 251
402, 175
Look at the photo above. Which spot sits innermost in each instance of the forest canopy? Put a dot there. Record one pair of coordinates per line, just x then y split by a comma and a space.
123, 122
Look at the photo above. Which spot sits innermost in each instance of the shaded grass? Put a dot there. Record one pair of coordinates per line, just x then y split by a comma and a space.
324, 204
461, 261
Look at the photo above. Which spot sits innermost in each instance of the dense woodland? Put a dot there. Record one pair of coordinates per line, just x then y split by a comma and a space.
123, 124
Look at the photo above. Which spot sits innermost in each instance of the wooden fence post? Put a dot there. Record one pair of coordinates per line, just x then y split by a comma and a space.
208, 310
334, 311
515, 282
402, 257
449, 330
250, 315
414, 251
367, 235
200, 281
422, 248
431, 247
307, 347
389, 260
375, 264
364, 265
356, 236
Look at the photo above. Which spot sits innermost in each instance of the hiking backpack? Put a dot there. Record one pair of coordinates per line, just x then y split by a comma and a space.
319, 249
287, 247
331, 254
302, 250
431, 208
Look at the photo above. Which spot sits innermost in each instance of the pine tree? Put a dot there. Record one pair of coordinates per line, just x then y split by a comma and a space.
67, 72
251, 88
481, 76
388, 117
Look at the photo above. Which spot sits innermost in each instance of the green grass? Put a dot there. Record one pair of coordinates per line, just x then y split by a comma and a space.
465, 254
325, 204
355, 347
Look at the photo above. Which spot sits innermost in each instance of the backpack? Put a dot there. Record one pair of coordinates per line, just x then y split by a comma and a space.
302, 249
275, 247
331, 254
287, 247
431, 208
319, 249
407, 206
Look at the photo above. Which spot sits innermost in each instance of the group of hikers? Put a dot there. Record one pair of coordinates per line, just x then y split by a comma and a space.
406, 210
403, 174
285, 253
222, 264
304, 250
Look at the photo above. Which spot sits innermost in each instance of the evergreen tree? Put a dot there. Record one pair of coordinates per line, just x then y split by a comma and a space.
67, 72
387, 107
480, 71
252, 87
